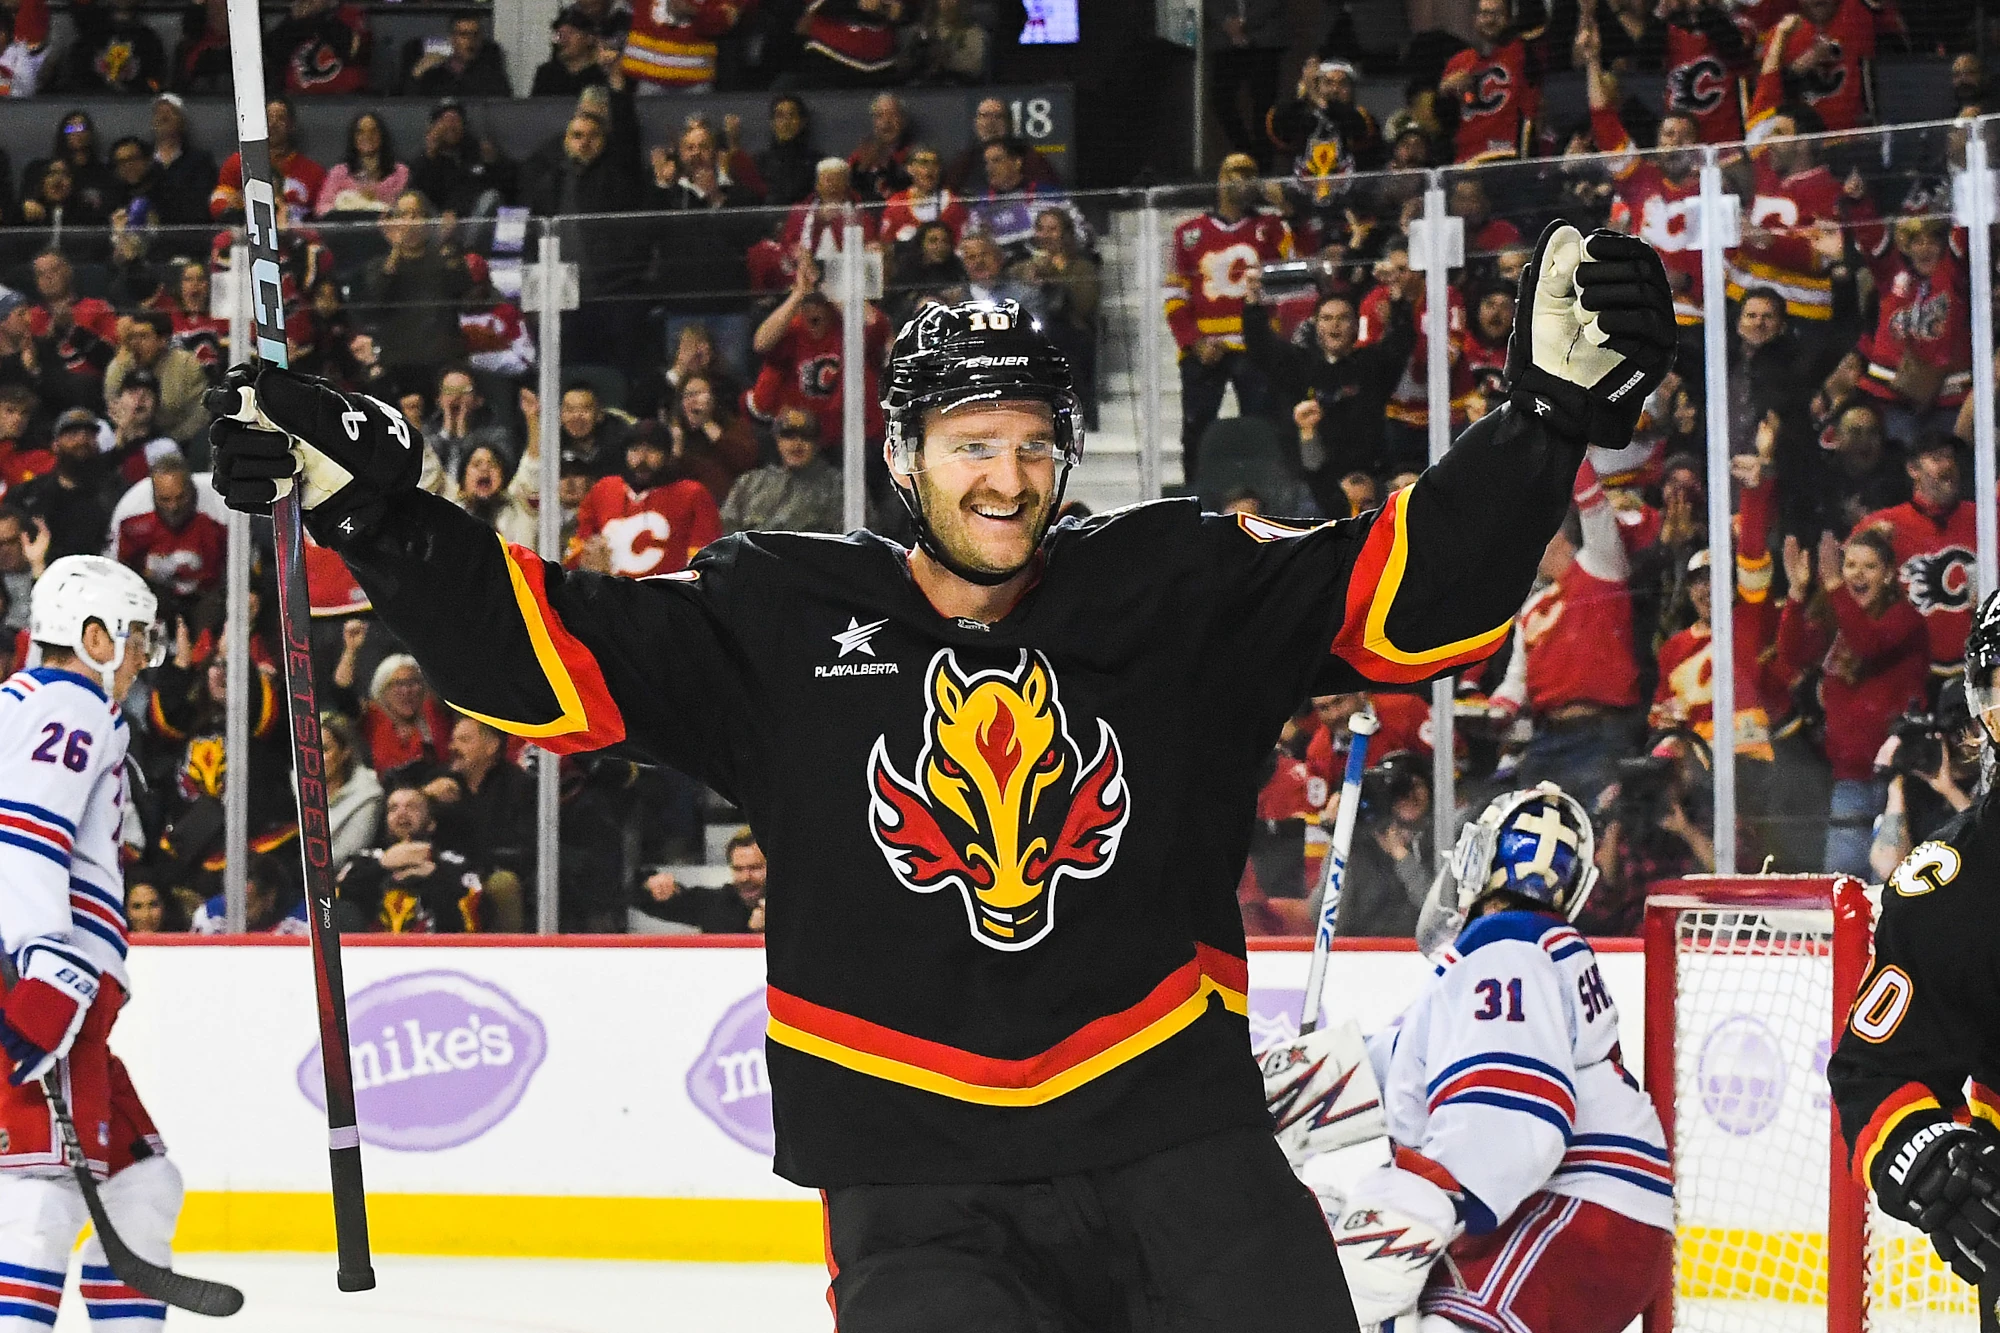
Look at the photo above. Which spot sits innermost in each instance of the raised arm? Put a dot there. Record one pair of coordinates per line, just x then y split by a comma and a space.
572, 661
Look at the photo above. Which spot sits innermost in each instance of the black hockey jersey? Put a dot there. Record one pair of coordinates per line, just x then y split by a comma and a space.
1920, 1044
1003, 934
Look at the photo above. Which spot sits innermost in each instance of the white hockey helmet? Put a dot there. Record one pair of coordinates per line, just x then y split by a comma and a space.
78, 589
1535, 843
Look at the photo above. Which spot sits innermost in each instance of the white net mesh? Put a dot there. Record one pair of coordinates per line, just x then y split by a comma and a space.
1753, 1029
1755, 991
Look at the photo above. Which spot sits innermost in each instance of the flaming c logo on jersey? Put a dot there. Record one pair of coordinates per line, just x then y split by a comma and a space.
1001, 803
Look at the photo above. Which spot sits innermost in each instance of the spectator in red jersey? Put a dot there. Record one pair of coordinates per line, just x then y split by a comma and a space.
1874, 655
496, 337
1654, 197
649, 521
1933, 540
368, 179
177, 549
470, 65
84, 328
1792, 220
674, 45
319, 48
880, 161
1918, 360
402, 722
146, 345
1213, 256
1856, 475
990, 124
1823, 56
1496, 86
802, 346
186, 301
923, 200
711, 442
852, 43
298, 177
1483, 348
1709, 54
23, 457
1572, 668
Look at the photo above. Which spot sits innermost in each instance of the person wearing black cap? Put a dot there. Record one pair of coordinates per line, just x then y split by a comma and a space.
75, 500
573, 62
456, 173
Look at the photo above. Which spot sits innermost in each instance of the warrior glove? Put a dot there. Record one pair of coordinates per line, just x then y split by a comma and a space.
1593, 334
350, 451
1944, 1179
43, 1010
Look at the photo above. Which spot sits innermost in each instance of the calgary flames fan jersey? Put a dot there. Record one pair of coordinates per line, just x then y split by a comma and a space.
1004, 940
1497, 110
1920, 1047
1706, 63
1212, 260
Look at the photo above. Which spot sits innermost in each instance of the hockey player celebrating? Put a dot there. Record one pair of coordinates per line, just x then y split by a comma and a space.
62, 925
1522, 1147
1918, 1065
1002, 782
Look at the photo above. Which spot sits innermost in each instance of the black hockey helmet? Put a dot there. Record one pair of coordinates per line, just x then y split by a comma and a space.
1982, 658
975, 352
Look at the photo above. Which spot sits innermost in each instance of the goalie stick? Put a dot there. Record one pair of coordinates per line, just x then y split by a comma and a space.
199, 1295
260, 222
1363, 724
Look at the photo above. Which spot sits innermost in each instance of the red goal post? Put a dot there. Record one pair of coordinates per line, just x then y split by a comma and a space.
1748, 982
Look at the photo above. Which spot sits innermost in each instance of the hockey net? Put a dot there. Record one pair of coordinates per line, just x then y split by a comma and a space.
1748, 983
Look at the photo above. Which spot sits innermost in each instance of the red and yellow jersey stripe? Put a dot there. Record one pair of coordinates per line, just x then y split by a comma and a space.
589, 718
1091, 1051
1906, 1101
1363, 641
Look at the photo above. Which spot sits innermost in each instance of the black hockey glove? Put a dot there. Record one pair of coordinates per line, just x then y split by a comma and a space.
350, 451
1945, 1181
1593, 333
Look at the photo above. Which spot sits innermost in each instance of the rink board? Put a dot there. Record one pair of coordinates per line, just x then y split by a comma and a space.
582, 1099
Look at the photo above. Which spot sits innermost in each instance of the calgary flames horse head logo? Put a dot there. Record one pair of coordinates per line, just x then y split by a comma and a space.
1001, 803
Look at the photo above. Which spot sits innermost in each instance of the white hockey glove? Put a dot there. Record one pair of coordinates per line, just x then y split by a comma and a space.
1593, 333
1397, 1225
350, 451
1321, 1092
43, 1010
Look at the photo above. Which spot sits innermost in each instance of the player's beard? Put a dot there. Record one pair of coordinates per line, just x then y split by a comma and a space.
956, 527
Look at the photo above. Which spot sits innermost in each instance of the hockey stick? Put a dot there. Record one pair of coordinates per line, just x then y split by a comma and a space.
1363, 724
199, 1295
260, 217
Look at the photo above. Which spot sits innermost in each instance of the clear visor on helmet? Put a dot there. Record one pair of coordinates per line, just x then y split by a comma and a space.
1060, 441
148, 641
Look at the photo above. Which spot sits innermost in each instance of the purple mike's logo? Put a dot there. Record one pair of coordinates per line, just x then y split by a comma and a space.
439, 1059
1741, 1074
1274, 1016
728, 1081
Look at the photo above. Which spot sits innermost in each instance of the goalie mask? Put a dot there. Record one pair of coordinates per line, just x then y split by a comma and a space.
1535, 844
975, 353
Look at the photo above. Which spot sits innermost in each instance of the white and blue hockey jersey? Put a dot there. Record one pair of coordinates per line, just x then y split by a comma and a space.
62, 807
1506, 1073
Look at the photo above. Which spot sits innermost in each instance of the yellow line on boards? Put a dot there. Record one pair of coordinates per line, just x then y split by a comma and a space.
525, 1226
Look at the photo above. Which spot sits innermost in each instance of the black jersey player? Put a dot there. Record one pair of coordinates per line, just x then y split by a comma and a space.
1916, 1076
1004, 782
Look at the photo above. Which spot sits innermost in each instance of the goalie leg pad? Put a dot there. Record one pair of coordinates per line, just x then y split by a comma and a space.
1396, 1227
